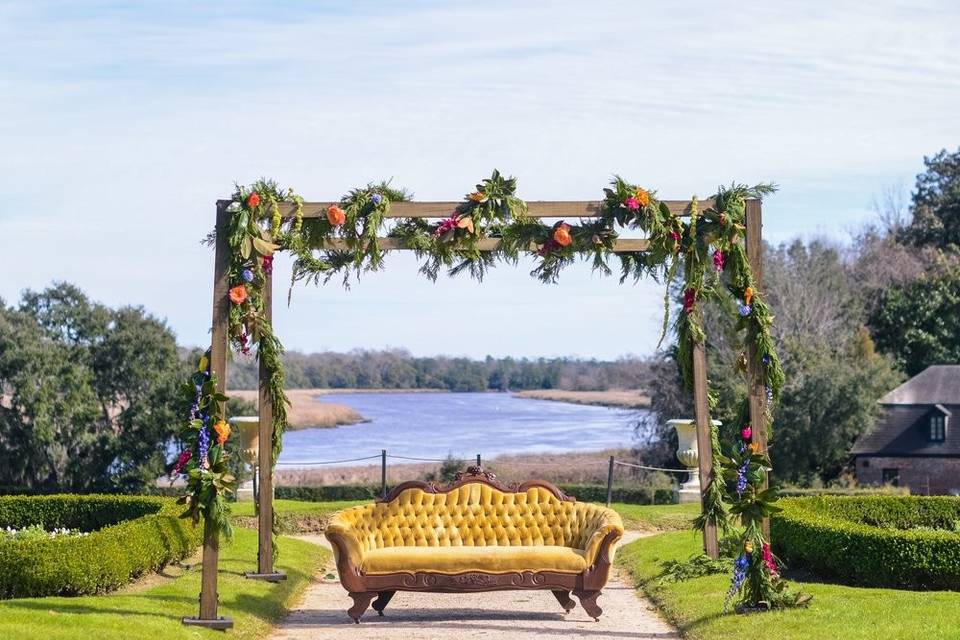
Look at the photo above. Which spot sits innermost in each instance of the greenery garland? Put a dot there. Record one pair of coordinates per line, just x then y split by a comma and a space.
708, 246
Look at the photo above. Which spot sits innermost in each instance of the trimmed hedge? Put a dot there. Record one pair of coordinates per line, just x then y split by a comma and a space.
872, 541
130, 535
582, 492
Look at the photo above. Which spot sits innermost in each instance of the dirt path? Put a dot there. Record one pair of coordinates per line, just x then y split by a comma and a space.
499, 615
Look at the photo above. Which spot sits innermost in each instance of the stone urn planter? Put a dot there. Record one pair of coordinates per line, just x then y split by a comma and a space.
688, 455
248, 428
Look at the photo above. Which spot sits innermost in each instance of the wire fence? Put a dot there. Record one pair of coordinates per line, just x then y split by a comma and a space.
611, 463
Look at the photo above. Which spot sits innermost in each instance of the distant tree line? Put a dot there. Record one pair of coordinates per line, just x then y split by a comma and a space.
851, 323
398, 369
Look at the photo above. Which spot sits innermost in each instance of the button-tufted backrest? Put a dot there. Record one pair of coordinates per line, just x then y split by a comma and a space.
474, 514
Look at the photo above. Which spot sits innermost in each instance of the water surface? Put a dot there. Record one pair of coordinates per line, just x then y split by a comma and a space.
433, 425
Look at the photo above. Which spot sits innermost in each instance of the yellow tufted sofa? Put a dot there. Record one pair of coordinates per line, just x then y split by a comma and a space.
474, 535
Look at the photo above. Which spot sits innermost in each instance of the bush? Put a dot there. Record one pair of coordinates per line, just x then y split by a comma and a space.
582, 492
887, 541
130, 535
798, 492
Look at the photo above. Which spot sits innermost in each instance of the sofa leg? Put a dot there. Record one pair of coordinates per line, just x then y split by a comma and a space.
588, 600
361, 600
382, 600
563, 597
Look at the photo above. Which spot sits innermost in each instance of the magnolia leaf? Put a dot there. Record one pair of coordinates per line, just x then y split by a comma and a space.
466, 222
263, 247
245, 248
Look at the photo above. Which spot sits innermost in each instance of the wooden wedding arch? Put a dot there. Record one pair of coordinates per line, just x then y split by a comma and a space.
757, 395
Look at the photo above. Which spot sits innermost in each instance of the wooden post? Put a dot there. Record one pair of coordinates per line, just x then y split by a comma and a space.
610, 481
218, 365
704, 440
383, 473
756, 389
265, 570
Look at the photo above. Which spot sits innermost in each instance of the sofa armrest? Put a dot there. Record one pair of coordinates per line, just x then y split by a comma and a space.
607, 530
345, 542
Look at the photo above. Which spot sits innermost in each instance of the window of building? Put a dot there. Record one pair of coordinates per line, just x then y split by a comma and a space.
938, 428
892, 477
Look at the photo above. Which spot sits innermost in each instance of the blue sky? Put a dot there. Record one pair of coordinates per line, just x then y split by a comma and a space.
122, 123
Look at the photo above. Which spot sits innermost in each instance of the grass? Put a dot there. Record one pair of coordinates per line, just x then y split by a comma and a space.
667, 517
155, 612
837, 611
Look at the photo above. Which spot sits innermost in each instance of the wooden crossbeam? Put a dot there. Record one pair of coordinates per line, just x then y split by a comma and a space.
536, 208
623, 245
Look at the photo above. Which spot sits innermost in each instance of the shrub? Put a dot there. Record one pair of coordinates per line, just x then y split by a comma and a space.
892, 541
129, 535
582, 492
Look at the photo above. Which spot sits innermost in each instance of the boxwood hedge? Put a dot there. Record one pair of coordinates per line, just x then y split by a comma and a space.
129, 535
582, 492
888, 541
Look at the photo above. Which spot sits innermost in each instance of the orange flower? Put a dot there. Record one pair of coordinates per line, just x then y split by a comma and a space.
336, 216
476, 196
238, 294
223, 431
748, 295
642, 196
253, 200
562, 235
753, 446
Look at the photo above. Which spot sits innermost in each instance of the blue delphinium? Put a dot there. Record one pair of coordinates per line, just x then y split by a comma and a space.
744, 310
739, 575
247, 275
203, 442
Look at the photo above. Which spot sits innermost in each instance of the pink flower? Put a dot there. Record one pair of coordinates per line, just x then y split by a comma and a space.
675, 236
631, 203
689, 299
768, 559
181, 461
268, 264
746, 433
718, 260
447, 225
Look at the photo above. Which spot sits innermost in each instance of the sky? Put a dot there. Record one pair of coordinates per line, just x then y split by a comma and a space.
122, 124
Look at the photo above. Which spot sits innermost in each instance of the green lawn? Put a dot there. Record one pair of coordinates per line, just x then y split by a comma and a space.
657, 516
836, 611
155, 612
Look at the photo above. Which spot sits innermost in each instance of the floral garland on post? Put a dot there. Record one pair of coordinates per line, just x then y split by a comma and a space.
709, 248
204, 459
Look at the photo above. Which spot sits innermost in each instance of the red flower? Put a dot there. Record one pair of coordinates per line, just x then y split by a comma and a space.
238, 294
268, 264
447, 224
768, 559
689, 299
253, 200
181, 461
746, 433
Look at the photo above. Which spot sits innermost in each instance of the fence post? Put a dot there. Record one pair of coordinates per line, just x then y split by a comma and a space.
478, 460
610, 482
383, 473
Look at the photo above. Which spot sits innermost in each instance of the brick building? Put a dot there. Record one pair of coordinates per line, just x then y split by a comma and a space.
915, 442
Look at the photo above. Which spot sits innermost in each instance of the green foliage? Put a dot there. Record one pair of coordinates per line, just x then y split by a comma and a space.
91, 393
873, 540
128, 536
918, 322
696, 566
936, 204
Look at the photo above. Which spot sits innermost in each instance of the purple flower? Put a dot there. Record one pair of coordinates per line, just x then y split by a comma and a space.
742, 477
739, 575
376, 199
765, 359
744, 310
247, 275
203, 443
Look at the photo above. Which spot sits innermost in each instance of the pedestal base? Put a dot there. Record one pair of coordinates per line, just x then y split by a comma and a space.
277, 576
684, 495
245, 492
220, 624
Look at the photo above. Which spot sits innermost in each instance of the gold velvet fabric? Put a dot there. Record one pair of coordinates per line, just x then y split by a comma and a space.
528, 531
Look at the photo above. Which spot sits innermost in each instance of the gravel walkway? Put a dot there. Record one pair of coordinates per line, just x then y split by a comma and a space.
499, 615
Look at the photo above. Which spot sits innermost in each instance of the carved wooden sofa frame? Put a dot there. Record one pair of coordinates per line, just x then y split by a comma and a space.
380, 588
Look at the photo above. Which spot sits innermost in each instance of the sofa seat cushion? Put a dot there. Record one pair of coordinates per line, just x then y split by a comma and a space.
491, 559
